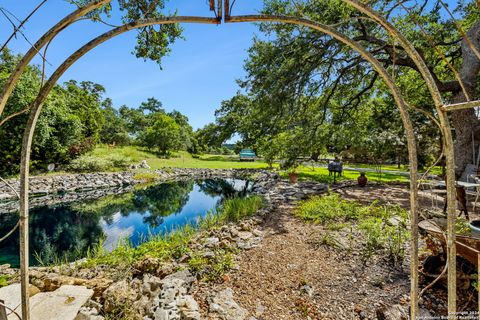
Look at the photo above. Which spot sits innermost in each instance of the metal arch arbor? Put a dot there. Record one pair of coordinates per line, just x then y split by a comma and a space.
402, 106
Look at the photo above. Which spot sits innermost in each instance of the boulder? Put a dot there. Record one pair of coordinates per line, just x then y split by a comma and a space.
88, 314
189, 309
399, 312
118, 294
212, 242
222, 306
61, 304
144, 165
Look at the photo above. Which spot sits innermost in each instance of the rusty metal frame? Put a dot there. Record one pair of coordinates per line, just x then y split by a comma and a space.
403, 108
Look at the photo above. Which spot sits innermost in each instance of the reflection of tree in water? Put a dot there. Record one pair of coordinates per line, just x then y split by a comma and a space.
106, 207
66, 231
162, 200
226, 188
58, 232
156, 202
8, 247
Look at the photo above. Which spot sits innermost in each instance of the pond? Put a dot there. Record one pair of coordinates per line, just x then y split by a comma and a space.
68, 230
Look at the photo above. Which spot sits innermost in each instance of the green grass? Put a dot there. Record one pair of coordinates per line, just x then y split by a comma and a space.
174, 244
183, 159
374, 221
118, 158
211, 269
4, 280
393, 167
235, 209
328, 209
321, 175
180, 159
145, 176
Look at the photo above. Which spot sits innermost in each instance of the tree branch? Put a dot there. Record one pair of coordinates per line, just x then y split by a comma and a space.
21, 25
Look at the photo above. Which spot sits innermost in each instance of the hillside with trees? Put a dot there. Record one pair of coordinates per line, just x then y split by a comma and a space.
77, 117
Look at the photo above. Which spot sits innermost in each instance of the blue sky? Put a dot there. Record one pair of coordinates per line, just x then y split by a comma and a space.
199, 73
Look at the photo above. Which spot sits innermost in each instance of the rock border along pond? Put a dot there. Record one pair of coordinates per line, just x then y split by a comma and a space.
166, 293
48, 190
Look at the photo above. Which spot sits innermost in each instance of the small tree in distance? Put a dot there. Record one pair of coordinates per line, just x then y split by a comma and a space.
163, 135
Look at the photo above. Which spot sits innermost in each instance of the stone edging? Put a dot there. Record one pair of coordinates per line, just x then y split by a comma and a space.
155, 289
48, 190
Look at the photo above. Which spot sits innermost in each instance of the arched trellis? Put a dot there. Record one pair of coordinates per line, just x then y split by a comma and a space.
37, 105
441, 110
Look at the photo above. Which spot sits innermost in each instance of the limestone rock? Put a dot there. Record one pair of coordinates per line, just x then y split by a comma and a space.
11, 294
173, 300
144, 165
118, 294
88, 314
99, 285
222, 306
61, 304
189, 309
154, 266
212, 242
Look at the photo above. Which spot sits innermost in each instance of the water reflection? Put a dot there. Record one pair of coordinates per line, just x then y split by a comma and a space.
68, 230
228, 188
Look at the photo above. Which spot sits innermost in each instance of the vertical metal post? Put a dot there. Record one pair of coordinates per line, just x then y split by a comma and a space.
3, 311
227, 9
219, 10
24, 247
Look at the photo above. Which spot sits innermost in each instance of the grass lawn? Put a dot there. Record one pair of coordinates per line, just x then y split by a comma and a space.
181, 159
321, 175
393, 167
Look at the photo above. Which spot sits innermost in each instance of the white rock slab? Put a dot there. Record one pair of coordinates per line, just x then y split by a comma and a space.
11, 295
61, 304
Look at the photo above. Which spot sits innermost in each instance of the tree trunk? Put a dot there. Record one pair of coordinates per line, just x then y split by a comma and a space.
465, 122
315, 155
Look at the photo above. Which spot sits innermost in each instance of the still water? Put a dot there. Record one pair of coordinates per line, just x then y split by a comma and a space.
68, 230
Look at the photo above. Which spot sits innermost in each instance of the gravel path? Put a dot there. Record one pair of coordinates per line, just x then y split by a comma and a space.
288, 277
291, 275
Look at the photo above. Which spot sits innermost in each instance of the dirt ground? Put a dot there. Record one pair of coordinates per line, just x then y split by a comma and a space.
399, 194
395, 194
289, 277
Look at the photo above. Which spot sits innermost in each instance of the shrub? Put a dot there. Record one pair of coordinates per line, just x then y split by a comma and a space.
383, 226
328, 208
381, 234
82, 147
90, 164
328, 240
119, 161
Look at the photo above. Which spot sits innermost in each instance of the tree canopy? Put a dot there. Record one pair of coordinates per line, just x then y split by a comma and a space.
152, 42
305, 86
76, 117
